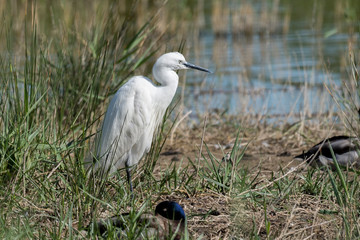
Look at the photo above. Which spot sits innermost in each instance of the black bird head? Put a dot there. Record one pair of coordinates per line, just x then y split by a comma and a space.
170, 210
172, 218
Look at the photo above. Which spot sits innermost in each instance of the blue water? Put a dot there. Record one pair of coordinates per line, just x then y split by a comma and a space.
275, 75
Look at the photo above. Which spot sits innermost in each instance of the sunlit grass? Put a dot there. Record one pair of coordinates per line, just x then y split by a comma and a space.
53, 93
51, 101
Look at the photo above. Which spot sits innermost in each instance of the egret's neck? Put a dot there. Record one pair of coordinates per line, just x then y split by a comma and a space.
169, 82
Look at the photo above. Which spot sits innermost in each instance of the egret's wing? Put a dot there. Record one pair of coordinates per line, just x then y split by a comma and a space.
127, 119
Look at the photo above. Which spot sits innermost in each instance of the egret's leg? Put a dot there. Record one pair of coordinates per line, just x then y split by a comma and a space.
128, 174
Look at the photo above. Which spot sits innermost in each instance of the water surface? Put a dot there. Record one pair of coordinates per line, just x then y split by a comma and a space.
273, 73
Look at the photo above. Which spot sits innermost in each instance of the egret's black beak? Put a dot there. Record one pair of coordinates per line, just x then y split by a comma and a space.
189, 65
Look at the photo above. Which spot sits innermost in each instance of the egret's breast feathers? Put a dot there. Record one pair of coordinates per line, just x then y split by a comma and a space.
127, 122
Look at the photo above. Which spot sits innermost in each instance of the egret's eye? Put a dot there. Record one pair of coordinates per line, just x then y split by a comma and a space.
180, 62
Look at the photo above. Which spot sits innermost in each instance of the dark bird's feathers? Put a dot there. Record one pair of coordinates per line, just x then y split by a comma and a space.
169, 220
170, 210
345, 149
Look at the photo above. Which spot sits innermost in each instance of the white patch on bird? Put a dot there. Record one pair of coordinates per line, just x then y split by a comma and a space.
134, 114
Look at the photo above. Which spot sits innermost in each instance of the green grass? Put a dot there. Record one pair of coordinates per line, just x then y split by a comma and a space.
51, 101
53, 93
280, 197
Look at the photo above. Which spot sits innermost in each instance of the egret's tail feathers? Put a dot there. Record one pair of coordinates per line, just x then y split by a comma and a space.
93, 166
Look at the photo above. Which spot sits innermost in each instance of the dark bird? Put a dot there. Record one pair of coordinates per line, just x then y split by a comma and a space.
345, 148
169, 220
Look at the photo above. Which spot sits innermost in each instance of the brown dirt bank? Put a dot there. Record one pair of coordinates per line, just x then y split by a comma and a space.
269, 156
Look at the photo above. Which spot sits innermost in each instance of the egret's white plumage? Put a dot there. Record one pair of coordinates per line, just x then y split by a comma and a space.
135, 112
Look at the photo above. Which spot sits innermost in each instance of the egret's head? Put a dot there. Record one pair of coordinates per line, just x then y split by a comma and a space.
176, 61
170, 210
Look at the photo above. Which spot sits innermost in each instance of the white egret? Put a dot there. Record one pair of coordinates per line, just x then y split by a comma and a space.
134, 114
